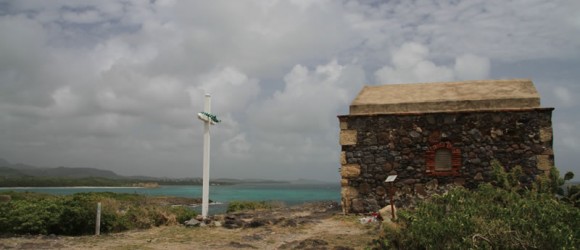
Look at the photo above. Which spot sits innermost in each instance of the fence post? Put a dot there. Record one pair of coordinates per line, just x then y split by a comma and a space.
98, 223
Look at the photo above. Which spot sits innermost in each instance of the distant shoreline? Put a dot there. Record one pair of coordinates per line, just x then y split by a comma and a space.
71, 187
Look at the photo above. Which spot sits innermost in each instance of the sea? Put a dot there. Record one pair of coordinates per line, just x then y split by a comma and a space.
220, 195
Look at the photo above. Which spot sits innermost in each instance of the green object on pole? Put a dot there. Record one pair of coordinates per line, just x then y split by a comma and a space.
211, 116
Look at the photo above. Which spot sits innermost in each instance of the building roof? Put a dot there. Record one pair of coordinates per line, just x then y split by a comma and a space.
446, 97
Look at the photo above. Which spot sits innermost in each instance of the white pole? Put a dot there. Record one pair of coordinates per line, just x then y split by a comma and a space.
206, 147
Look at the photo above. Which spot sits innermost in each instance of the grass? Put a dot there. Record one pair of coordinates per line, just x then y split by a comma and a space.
240, 206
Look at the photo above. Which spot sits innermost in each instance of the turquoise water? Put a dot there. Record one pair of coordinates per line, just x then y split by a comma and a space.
221, 195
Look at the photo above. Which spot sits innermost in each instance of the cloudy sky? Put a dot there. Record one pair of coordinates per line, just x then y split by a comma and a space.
116, 84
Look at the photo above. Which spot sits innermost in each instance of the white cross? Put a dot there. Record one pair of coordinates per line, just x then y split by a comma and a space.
208, 119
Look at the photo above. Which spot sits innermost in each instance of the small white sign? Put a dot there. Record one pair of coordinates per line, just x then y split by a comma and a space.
391, 178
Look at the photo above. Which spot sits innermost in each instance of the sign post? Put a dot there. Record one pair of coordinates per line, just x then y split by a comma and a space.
208, 119
391, 179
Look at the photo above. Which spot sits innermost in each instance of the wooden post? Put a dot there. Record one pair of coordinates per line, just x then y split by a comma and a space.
392, 204
98, 223
391, 179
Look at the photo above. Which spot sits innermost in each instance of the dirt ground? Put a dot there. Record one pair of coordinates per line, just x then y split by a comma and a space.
304, 227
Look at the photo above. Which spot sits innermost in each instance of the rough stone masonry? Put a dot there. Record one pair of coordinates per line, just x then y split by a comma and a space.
437, 135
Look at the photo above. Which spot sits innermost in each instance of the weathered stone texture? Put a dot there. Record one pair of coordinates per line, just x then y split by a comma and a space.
544, 162
343, 125
546, 134
390, 144
348, 194
349, 171
348, 137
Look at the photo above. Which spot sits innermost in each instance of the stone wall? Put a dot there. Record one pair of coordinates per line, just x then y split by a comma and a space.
376, 146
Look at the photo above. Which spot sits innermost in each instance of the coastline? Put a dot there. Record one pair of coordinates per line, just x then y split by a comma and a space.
71, 187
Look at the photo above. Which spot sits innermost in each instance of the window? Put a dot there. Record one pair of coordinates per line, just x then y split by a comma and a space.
443, 160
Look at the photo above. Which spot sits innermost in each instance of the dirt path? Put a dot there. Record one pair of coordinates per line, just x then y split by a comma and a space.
298, 228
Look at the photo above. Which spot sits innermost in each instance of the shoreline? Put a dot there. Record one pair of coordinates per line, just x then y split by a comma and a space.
70, 187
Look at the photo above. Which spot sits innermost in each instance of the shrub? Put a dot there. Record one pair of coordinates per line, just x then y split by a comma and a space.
490, 217
75, 214
37, 217
182, 213
236, 206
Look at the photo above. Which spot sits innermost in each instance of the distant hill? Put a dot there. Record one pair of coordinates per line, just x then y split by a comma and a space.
247, 181
19, 170
8, 169
310, 182
10, 172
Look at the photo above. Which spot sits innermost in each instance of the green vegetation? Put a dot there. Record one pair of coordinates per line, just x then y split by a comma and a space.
505, 216
37, 181
32, 213
238, 206
56, 181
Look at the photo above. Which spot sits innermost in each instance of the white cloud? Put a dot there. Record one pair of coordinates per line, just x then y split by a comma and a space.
567, 137
564, 95
117, 83
471, 67
411, 64
232, 88
296, 127
237, 146
310, 99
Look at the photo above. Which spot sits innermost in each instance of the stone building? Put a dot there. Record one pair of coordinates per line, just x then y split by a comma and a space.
436, 135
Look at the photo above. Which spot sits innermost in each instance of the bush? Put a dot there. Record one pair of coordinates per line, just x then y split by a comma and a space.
25, 217
75, 214
236, 206
490, 218
510, 217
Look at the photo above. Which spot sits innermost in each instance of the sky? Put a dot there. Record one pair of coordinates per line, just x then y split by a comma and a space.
117, 84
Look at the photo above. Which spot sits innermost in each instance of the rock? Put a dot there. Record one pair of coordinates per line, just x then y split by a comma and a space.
253, 237
350, 170
232, 222
388, 167
432, 185
192, 223
289, 223
414, 134
305, 244
364, 188
217, 224
380, 191
386, 212
459, 181
257, 222
357, 206
235, 244
420, 189
342, 248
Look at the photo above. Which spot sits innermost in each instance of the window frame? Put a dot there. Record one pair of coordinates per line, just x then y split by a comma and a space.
455, 160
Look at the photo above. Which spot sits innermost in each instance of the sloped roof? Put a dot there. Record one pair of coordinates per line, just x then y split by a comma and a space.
446, 96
